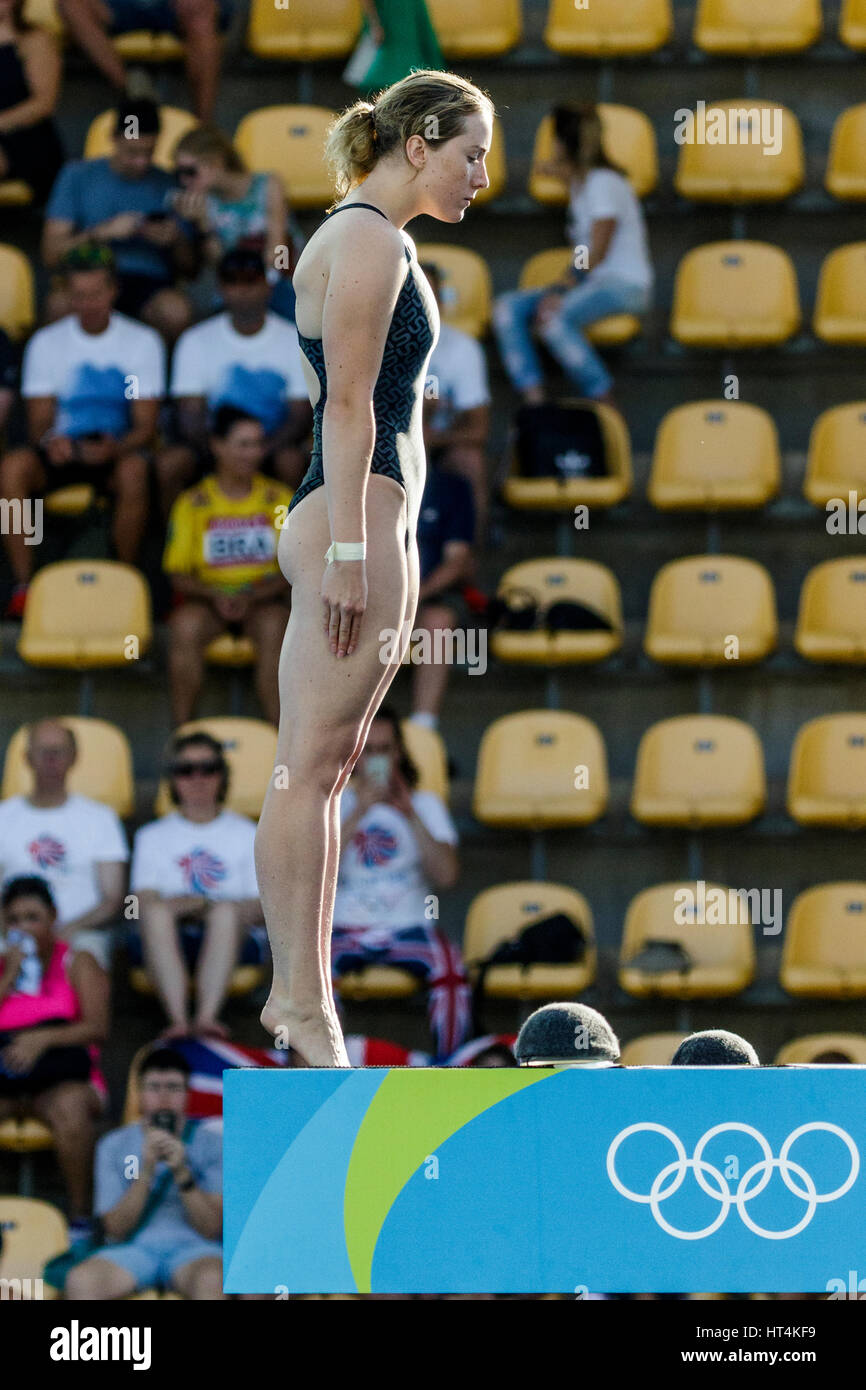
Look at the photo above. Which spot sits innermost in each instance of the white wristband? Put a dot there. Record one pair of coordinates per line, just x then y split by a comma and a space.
346, 550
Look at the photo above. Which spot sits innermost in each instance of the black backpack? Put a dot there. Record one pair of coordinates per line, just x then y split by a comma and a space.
559, 441
554, 940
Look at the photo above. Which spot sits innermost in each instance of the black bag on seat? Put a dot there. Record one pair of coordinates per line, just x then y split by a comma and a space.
559, 441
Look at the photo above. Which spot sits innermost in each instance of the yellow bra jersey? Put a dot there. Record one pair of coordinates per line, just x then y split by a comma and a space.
229, 542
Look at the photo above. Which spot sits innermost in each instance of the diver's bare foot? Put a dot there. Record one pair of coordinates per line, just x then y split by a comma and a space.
315, 1036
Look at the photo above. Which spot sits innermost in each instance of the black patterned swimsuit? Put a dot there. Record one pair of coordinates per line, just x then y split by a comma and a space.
398, 392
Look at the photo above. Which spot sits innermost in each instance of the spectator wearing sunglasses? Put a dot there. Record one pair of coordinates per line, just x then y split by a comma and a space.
194, 874
230, 207
124, 202
247, 357
221, 554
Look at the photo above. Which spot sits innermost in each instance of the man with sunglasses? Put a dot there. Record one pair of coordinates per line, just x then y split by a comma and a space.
247, 357
193, 873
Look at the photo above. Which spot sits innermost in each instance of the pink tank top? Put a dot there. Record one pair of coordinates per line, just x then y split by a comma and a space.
55, 1000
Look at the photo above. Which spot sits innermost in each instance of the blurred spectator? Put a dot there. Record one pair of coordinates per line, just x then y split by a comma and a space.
396, 844
221, 553
30, 72
491, 1050
446, 527
457, 410
246, 357
406, 39
8, 378
167, 1169
232, 207
195, 863
611, 272
53, 1012
566, 1035
93, 382
77, 845
95, 23
125, 201
715, 1047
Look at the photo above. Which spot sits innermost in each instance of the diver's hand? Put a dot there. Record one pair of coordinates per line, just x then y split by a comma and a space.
344, 594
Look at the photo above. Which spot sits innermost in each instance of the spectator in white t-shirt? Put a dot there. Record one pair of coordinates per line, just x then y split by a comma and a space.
611, 272
93, 383
457, 407
397, 851
247, 357
195, 864
77, 845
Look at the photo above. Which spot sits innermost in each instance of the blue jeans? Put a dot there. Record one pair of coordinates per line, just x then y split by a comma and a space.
513, 315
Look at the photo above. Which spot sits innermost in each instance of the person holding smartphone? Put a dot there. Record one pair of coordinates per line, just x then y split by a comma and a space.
158, 1195
397, 850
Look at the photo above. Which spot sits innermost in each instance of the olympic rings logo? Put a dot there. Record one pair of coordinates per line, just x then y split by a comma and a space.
718, 1187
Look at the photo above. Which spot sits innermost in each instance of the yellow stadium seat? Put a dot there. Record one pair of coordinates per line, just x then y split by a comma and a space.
83, 614
629, 141
750, 168
70, 501
735, 294
722, 952
500, 913
712, 455
467, 288
307, 31
699, 770
836, 462
289, 141
102, 770
230, 650
840, 305
426, 748
846, 163
803, 1051
17, 299
250, 747
546, 266
25, 1136
827, 776
755, 27
377, 982
852, 24
144, 46
14, 193
45, 14
551, 580
824, 955
552, 494
173, 123
711, 610
652, 1050
831, 623
617, 28
33, 1233
244, 979
540, 768
476, 28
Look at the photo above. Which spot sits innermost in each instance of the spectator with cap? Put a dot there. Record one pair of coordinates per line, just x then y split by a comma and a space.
94, 24
221, 555
247, 357
76, 844
195, 868
158, 1196
447, 562
566, 1035
53, 1012
457, 408
124, 202
92, 382
715, 1047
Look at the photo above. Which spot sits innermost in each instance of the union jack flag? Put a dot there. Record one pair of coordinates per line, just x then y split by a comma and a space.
46, 852
374, 845
202, 870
